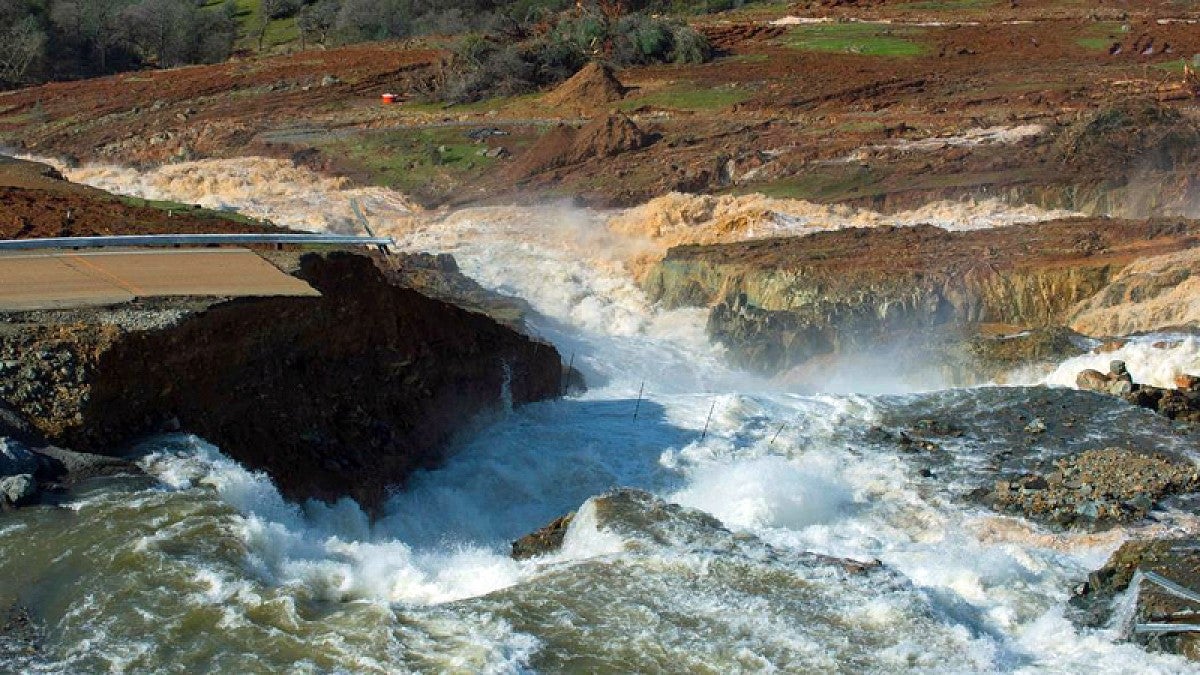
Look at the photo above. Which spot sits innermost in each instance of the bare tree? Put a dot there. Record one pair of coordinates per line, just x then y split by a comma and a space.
95, 23
20, 46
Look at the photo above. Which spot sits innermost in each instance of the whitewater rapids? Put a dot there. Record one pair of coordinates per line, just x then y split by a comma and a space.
208, 568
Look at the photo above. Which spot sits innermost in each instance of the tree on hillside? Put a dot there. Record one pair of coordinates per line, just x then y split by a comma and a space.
20, 46
317, 21
363, 20
175, 32
96, 24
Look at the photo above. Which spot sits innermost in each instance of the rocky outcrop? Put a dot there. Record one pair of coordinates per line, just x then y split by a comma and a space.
340, 395
1181, 404
779, 302
1097, 488
544, 540
1095, 602
438, 276
639, 519
1151, 294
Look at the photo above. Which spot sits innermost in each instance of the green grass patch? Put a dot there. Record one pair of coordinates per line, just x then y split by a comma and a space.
946, 5
278, 32
745, 58
501, 103
1098, 37
189, 210
688, 97
867, 39
835, 183
414, 160
1176, 66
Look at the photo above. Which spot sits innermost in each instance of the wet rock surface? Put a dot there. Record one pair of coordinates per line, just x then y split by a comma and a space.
779, 302
640, 518
1181, 404
21, 638
342, 395
438, 276
1063, 458
544, 540
1105, 595
1096, 488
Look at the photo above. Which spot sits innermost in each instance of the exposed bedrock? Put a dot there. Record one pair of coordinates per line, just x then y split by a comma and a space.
343, 394
780, 302
1106, 594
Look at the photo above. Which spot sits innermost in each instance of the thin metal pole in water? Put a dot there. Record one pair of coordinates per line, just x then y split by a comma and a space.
567, 375
711, 408
638, 406
777, 432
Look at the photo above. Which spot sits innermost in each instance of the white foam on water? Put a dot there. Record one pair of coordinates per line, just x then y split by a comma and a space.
1152, 359
664, 414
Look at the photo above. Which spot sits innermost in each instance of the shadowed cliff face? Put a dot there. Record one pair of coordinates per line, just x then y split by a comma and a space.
345, 394
780, 302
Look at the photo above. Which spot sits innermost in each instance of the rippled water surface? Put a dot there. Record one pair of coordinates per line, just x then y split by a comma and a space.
203, 567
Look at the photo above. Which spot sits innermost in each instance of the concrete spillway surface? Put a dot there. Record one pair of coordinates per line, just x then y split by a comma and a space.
60, 279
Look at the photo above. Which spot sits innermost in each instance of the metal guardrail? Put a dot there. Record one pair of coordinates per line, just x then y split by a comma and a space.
192, 240
1182, 592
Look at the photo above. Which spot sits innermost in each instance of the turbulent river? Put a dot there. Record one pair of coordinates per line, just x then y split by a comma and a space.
205, 568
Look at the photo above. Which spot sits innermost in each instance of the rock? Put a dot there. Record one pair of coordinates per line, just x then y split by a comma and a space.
329, 81
545, 540
68, 466
1120, 387
1097, 488
21, 640
483, 133
346, 394
18, 490
1092, 380
779, 302
1094, 603
1037, 426
16, 459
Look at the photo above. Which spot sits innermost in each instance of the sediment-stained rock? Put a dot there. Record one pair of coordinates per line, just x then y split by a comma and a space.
341, 395
778, 302
1152, 294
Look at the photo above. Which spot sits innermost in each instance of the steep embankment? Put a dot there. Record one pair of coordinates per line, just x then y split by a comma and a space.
37, 201
343, 394
779, 302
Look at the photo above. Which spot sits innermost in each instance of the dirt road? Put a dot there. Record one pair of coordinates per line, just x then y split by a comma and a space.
60, 279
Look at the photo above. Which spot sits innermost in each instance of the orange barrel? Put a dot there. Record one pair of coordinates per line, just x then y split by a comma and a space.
389, 99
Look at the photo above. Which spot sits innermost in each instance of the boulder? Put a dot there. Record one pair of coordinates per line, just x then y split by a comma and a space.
1092, 380
17, 490
544, 540
16, 459
68, 466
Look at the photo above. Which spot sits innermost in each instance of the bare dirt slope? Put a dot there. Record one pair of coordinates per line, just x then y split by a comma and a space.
886, 110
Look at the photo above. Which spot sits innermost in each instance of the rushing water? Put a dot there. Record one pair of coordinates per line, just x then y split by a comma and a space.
205, 567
